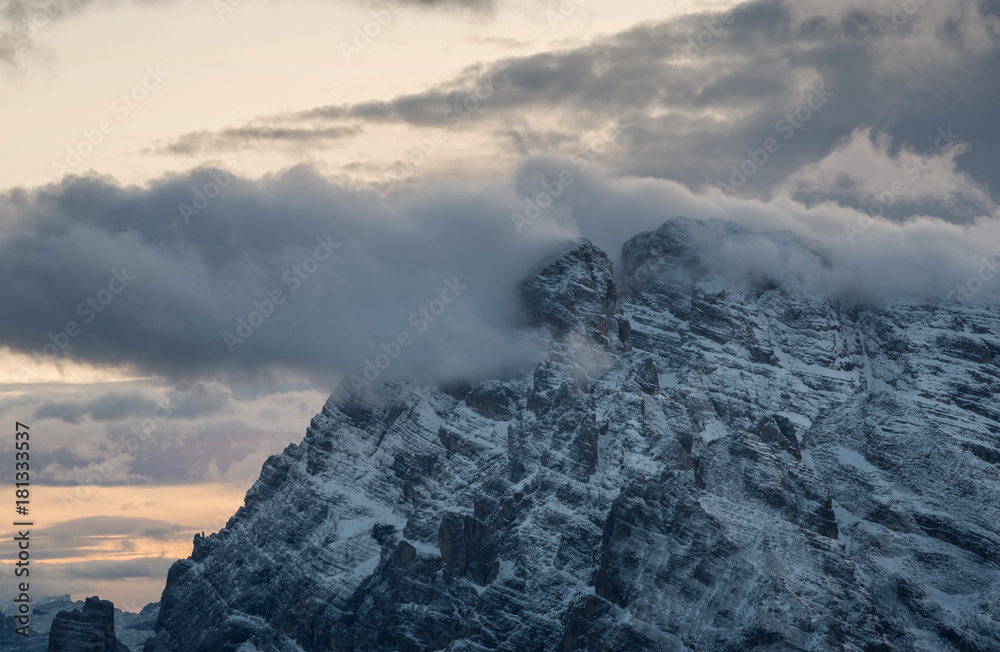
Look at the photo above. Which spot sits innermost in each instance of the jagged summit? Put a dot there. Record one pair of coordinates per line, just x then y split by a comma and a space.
753, 466
85, 630
684, 249
576, 292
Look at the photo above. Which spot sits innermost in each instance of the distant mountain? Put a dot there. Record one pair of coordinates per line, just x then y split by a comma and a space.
132, 629
88, 629
703, 462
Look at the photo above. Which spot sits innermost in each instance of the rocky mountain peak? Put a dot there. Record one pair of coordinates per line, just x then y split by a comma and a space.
678, 243
753, 465
577, 293
684, 250
90, 629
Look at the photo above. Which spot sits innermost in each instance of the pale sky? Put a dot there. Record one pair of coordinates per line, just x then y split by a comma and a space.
225, 65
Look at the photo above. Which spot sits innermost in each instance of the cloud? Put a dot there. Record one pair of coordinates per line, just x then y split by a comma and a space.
105, 408
132, 581
129, 506
352, 269
79, 530
867, 171
922, 257
21, 21
149, 431
313, 277
693, 94
125, 569
100, 545
339, 307
199, 400
248, 138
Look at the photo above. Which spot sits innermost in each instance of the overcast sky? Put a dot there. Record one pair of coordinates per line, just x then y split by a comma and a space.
211, 211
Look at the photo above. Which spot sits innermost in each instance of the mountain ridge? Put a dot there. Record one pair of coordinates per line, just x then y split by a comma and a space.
701, 462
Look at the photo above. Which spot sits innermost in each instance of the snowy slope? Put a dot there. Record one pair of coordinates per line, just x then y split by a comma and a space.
701, 463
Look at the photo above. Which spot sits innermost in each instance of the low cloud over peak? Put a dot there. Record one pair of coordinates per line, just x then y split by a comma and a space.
298, 272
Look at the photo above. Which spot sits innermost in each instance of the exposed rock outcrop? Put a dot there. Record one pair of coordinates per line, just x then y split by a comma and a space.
701, 462
90, 629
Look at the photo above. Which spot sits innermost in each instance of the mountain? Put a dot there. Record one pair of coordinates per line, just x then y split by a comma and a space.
90, 629
131, 629
702, 462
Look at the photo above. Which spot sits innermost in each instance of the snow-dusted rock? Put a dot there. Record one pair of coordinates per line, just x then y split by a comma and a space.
701, 463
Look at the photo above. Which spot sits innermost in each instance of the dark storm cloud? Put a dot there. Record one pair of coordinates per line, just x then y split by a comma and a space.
200, 400
691, 112
690, 115
199, 265
110, 407
352, 268
352, 271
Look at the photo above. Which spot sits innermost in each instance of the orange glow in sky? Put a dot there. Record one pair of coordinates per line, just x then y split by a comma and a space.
152, 525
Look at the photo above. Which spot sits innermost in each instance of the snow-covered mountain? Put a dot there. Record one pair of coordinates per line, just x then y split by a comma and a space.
701, 463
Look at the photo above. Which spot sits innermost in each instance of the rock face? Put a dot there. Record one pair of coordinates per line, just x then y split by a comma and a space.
131, 629
91, 629
700, 463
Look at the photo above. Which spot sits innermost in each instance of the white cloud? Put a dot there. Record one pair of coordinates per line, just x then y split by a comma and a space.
867, 166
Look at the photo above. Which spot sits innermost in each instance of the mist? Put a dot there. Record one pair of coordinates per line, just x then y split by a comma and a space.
298, 272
